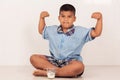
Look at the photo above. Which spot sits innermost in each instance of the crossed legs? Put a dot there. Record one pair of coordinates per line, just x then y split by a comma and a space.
40, 62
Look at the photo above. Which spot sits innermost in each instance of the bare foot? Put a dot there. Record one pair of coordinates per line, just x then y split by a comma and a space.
39, 72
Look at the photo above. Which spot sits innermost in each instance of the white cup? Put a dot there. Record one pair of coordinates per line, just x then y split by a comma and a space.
51, 72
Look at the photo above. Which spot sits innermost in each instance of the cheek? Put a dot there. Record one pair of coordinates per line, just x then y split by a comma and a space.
60, 20
71, 21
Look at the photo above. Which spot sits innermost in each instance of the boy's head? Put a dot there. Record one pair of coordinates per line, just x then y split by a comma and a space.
67, 7
66, 16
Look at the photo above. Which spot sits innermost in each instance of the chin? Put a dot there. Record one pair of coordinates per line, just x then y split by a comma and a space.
66, 26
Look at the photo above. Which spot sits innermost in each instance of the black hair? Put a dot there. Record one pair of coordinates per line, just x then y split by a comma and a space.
67, 7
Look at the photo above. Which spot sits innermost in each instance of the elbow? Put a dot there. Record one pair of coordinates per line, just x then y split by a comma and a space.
40, 31
97, 34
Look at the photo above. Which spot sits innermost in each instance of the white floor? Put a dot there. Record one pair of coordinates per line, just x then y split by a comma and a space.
91, 73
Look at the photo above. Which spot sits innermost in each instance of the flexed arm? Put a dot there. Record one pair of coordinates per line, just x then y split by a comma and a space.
42, 24
98, 28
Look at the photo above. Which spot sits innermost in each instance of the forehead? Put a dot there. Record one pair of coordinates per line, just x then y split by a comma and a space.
66, 13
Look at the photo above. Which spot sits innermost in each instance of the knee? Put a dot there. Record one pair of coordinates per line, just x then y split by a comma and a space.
79, 68
33, 58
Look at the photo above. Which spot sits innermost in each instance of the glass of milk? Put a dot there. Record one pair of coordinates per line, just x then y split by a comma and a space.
51, 72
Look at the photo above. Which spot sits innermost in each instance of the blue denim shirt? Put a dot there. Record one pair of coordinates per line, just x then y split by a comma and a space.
64, 45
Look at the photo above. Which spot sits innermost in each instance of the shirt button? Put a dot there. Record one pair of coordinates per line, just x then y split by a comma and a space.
60, 61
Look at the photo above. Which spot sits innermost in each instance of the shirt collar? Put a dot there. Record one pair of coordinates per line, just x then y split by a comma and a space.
69, 32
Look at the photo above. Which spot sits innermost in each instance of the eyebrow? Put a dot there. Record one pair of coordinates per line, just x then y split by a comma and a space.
67, 15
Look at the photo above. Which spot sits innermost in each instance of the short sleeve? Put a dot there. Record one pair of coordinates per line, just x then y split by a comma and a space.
45, 33
88, 36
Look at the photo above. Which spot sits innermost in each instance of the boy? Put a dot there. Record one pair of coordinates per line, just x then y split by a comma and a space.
65, 43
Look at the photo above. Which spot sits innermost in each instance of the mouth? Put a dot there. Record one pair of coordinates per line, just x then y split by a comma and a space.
65, 22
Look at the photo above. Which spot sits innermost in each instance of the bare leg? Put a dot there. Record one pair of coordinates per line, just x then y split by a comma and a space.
71, 70
39, 72
40, 62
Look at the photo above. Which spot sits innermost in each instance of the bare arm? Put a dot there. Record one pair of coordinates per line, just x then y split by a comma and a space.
98, 28
42, 24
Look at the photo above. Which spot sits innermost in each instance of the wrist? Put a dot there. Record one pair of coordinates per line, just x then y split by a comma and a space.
99, 19
42, 17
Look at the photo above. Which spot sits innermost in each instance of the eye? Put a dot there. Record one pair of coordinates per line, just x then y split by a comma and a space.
62, 16
69, 16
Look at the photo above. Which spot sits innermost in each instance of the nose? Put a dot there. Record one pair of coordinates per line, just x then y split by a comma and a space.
65, 18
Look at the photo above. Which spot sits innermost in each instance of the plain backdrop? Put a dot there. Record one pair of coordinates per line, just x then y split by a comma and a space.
19, 37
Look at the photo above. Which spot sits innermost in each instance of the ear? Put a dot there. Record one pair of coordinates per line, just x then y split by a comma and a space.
59, 18
75, 18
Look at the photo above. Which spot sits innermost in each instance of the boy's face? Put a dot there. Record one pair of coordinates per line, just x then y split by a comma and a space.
66, 19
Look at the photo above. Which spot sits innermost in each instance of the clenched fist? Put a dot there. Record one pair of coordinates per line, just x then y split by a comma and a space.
96, 15
44, 14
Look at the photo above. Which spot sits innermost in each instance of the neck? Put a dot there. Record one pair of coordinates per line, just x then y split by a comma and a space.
66, 29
